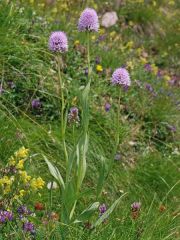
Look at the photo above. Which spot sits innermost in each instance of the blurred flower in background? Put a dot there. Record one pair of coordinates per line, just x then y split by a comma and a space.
88, 21
36, 104
109, 19
107, 107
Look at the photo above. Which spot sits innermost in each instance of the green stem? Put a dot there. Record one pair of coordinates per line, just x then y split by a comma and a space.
88, 57
74, 140
51, 195
118, 121
61, 93
89, 82
85, 93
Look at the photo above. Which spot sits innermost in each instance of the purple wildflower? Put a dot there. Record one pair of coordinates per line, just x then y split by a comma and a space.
5, 216
22, 210
73, 116
159, 73
102, 37
107, 107
148, 67
102, 209
2, 217
149, 87
121, 77
174, 81
8, 215
136, 206
36, 103
29, 227
58, 42
88, 21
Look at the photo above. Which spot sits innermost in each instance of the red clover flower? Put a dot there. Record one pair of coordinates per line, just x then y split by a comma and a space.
136, 206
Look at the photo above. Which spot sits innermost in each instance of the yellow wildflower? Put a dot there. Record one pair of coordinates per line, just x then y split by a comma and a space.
95, 6
130, 44
99, 68
171, 2
139, 51
20, 164
154, 3
93, 37
77, 42
12, 161
74, 101
22, 153
154, 69
5, 180
130, 65
131, 23
22, 193
37, 183
25, 178
112, 34
167, 78
15, 197
7, 190
143, 60
102, 31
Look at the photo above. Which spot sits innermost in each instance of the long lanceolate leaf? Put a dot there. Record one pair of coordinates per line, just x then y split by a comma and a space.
87, 213
82, 146
69, 199
55, 172
108, 212
81, 151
